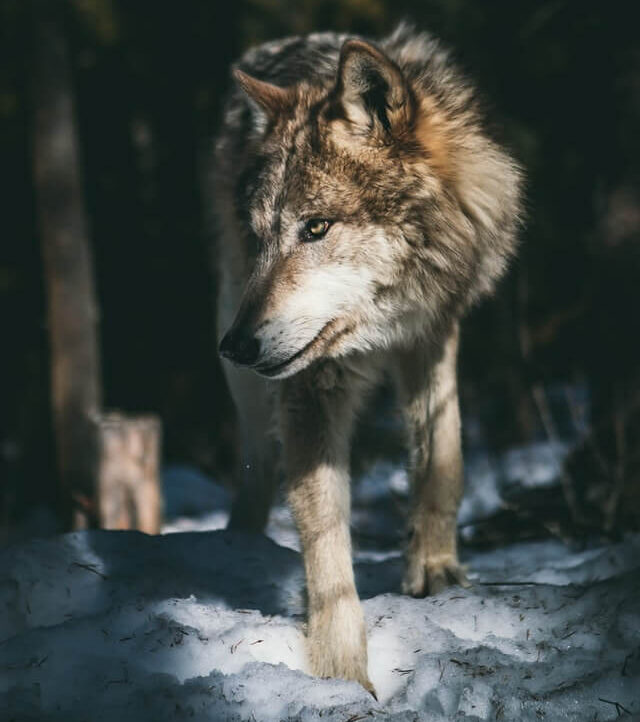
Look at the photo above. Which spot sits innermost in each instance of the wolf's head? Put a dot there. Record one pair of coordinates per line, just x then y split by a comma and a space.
377, 207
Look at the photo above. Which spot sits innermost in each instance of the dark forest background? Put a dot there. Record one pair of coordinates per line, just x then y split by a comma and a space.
555, 354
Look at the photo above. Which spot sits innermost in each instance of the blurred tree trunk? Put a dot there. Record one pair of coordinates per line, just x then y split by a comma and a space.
613, 367
605, 469
71, 302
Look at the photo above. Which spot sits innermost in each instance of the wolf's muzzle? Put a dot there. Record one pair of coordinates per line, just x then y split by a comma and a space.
240, 347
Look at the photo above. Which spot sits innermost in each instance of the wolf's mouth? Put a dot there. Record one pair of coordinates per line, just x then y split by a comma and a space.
277, 369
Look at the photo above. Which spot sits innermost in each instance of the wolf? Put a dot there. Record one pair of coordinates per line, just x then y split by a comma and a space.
362, 208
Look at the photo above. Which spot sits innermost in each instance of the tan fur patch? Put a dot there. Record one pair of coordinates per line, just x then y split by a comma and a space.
432, 133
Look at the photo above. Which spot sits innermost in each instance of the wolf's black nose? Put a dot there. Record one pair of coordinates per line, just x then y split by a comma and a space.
240, 347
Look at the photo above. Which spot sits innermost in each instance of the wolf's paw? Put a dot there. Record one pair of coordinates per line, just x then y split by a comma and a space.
433, 575
337, 642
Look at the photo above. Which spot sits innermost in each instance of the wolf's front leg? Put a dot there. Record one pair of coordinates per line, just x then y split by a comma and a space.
428, 391
317, 409
257, 474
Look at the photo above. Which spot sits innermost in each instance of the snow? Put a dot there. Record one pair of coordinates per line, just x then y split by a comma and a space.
208, 625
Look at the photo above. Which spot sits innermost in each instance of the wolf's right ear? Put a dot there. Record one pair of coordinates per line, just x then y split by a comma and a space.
371, 90
267, 99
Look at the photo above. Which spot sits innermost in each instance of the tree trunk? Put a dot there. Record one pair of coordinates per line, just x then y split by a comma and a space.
72, 310
129, 494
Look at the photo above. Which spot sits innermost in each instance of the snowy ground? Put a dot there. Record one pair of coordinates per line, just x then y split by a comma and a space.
209, 626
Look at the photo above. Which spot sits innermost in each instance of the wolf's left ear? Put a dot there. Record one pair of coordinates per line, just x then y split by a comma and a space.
371, 90
267, 99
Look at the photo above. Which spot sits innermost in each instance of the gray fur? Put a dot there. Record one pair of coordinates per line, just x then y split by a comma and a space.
387, 142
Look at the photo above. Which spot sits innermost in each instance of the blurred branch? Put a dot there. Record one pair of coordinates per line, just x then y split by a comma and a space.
540, 398
544, 410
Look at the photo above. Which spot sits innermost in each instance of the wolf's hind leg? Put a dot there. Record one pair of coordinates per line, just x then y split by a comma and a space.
316, 426
427, 389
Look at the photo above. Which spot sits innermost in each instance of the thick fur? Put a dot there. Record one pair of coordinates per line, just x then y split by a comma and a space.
387, 142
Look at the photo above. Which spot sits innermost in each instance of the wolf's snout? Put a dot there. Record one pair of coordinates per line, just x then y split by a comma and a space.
240, 346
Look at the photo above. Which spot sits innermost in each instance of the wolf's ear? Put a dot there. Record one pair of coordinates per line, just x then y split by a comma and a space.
270, 100
371, 89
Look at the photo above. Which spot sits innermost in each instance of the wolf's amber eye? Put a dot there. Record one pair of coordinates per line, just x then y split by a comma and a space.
316, 228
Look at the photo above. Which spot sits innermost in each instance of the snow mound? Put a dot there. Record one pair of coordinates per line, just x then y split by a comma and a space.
380, 498
209, 626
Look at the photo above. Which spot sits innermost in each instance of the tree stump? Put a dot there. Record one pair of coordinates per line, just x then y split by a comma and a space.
128, 478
